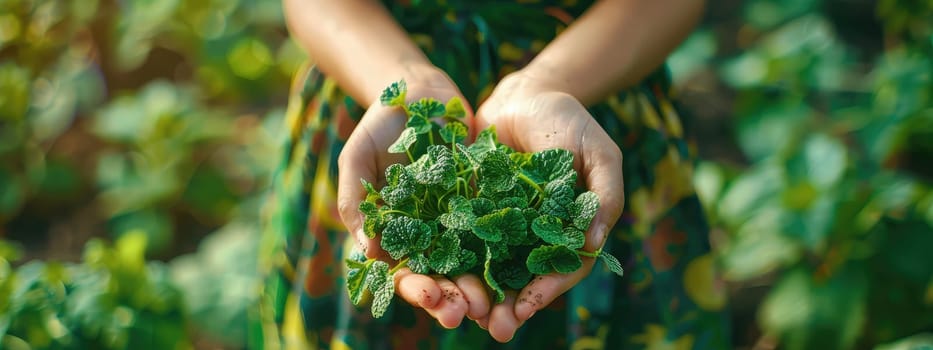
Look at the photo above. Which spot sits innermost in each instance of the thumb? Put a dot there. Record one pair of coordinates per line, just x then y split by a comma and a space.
602, 172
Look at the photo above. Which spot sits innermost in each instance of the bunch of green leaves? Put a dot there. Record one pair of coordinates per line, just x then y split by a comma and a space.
112, 300
482, 208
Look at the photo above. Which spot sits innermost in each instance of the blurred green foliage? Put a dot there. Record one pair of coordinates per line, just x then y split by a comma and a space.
149, 118
833, 205
149, 122
114, 299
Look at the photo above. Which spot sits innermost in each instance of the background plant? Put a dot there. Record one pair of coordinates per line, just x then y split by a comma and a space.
157, 121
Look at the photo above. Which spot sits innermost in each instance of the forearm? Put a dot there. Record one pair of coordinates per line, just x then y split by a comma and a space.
357, 43
615, 44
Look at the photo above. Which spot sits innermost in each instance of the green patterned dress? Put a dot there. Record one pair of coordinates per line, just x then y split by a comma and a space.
670, 298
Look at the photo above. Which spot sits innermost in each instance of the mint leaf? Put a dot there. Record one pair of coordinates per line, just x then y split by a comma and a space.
558, 199
459, 214
499, 250
530, 214
426, 108
446, 254
487, 227
555, 258
467, 259
400, 185
394, 95
382, 285
611, 262
511, 274
454, 132
373, 221
548, 227
482, 206
455, 108
495, 172
356, 276
487, 275
408, 137
551, 165
551, 230
419, 124
583, 210
356, 285
574, 238
418, 263
485, 141
437, 167
512, 202
371, 194
508, 223
405, 234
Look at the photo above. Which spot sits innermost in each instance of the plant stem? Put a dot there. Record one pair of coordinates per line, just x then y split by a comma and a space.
400, 265
588, 254
532, 183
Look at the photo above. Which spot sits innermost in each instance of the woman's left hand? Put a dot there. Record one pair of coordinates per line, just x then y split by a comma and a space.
530, 117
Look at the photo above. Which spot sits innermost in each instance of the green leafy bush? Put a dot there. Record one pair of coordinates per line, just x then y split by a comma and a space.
112, 300
834, 208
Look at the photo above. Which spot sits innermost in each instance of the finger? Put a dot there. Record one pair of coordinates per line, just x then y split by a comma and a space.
483, 322
452, 307
474, 292
360, 159
602, 171
543, 290
418, 290
502, 321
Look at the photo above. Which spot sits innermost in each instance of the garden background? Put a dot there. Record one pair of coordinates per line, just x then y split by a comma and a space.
137, 138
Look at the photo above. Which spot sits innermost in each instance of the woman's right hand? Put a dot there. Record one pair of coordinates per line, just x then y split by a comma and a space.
365, 156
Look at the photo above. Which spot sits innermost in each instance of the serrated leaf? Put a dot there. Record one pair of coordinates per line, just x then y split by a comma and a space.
371, 194
508, 224
356, 283
382, 286
400, 185
426, 108
551, 230
611, 262
394, 95
482, 206
574, 238
405, 234
455, 108
551, 165
454, 132
512, 275
495, 172
468, 260
437, 167
558, 197
419, 124
459, 214
583, 210
490, 280
408, 137
553, 258
512, 202
373, 222
418, 263
485, 142
446, 254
